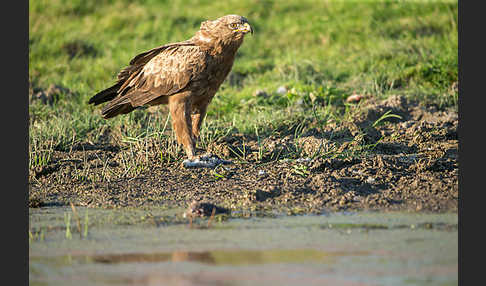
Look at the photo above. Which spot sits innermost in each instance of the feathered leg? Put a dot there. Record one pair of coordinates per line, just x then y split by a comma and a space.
180, 110
197, 119
207, 160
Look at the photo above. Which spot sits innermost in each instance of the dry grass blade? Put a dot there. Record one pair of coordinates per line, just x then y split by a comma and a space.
76, 217
211, 217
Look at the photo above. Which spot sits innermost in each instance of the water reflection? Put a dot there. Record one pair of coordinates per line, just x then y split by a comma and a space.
176, 256
217, 257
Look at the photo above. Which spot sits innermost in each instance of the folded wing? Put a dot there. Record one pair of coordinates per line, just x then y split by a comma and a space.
162, 71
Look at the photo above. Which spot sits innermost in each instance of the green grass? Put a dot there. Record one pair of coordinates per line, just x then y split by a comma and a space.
67, 221
324, 50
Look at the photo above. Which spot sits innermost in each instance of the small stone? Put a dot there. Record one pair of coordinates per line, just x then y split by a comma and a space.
370, 180
354, 98
282, 90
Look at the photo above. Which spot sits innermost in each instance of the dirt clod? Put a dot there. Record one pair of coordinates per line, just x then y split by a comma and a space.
204, 209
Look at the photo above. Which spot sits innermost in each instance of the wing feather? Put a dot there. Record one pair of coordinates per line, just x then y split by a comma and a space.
158, 72
166, 73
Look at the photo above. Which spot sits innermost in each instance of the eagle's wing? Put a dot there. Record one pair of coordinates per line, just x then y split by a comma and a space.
136, 65
161, 72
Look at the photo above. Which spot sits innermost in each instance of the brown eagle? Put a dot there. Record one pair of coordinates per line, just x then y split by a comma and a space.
185, 75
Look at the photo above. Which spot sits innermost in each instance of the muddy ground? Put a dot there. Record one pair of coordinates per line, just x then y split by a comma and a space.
408, 164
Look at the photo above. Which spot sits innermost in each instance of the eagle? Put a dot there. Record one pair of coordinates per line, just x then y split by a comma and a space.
184, 75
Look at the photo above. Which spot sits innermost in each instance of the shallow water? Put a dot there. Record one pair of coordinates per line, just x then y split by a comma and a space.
158, 247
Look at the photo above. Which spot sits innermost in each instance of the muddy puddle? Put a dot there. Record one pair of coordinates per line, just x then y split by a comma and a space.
159, 246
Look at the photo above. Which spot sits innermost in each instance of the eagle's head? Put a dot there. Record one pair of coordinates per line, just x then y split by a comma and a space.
233, 25
226, 30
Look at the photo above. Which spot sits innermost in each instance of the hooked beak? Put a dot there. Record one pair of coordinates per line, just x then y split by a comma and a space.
247, 28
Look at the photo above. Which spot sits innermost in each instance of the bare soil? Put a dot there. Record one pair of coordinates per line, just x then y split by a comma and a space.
404, 164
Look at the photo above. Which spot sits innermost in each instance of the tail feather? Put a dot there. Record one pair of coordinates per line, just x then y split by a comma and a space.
116, 110
105, 95
120, 105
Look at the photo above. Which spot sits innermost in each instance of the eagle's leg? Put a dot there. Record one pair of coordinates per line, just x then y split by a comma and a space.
207, 160
199, 112
180, 111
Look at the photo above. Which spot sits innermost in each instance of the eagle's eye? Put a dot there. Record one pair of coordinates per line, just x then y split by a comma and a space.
233, 25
